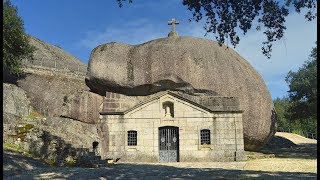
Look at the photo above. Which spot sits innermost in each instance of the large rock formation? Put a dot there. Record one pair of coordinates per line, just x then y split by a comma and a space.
51, 86
47, 90
45, 79
192, 65
83, 106
52, 56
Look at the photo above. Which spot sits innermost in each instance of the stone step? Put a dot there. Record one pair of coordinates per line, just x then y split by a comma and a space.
100, 164
98, 157
95, 158
92, 154
83, 149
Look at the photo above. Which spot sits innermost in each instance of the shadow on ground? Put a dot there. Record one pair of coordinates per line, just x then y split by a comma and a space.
16, 163
284, 148
142, 171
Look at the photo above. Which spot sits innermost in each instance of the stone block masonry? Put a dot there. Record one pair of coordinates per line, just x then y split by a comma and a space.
224, 141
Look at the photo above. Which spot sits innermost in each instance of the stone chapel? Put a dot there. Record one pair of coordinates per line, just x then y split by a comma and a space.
165, 121
169, 126
177, 99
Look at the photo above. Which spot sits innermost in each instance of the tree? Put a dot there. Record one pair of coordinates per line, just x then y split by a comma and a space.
227, 18
15, 42
303, 93
281, 105
303, 88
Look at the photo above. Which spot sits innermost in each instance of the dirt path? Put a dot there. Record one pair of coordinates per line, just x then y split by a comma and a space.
298, 161
293, 153
295, 138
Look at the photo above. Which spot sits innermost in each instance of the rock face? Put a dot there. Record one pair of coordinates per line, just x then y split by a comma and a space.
191, 65
58, 140
47, 90
83, 106
15, 101
45, 85
48, 55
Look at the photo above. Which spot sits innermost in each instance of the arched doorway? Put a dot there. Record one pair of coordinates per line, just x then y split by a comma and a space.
169, 144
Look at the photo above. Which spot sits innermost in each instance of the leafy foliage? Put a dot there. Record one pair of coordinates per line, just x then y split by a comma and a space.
303, 89
227, 18
282, 106
15, 42
298, 112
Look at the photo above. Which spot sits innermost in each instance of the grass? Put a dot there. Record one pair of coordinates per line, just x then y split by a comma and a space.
16, 147
251, 155
51, 162
34, 115
22, 131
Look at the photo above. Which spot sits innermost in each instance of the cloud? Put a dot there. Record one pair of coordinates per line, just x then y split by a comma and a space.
134, 32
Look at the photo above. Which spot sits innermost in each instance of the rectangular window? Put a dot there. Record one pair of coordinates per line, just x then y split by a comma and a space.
205, 136
132, 138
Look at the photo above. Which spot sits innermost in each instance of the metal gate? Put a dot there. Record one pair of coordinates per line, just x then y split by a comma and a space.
168, 144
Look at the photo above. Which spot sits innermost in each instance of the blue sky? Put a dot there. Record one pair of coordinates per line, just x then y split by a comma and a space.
79, 26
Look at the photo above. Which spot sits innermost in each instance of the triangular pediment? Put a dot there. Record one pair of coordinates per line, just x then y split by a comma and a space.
153, 107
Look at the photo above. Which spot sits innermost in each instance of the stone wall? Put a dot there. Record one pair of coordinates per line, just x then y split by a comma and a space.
115, 102
226, 133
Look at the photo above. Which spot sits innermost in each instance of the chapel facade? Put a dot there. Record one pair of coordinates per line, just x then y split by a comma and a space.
171, 126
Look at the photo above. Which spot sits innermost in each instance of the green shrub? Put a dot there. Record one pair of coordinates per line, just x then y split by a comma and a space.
70, 161
22, 131
15, 147
298, 131
51, 162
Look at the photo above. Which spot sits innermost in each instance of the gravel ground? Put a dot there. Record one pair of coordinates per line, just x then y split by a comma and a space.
283, 166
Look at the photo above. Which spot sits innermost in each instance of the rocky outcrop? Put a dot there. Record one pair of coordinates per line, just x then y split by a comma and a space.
59, 141
52, 56
83, 106
45, 86
15, 101
47, 90
187, 64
